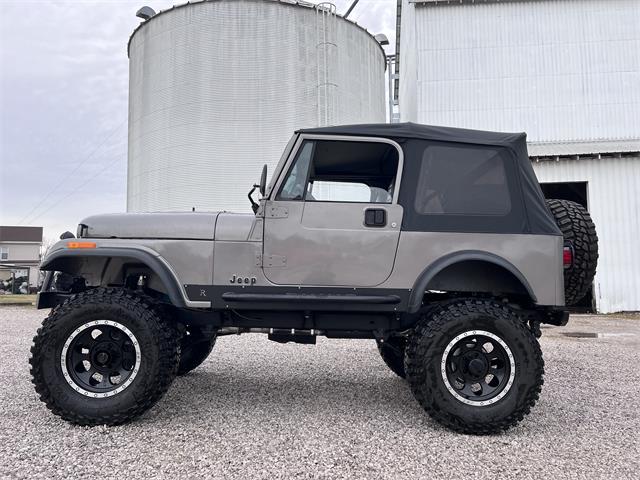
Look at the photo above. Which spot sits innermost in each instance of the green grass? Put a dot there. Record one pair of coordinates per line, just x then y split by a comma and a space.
17, 299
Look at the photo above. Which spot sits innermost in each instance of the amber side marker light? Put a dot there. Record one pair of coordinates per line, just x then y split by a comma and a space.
81, 245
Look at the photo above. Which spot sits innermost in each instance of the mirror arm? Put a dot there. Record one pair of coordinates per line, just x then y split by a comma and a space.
254, 205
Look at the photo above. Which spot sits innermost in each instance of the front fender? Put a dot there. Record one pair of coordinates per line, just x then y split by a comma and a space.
59, 260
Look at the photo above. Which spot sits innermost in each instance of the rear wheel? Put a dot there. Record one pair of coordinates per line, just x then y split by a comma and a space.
474, 366
104, 356
579, 234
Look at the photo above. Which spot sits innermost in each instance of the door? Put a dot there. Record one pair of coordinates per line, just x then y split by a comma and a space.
333, 219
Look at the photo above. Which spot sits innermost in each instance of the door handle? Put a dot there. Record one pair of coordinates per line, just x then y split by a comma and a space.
375, 217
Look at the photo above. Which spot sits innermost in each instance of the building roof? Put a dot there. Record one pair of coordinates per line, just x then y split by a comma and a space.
563, 149
20, 234
460, 2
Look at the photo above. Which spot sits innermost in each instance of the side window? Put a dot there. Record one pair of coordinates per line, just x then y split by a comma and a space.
342, 171
4, 253
322, 191
461, 180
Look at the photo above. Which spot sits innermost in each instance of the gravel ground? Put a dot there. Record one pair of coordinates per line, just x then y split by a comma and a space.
257, 409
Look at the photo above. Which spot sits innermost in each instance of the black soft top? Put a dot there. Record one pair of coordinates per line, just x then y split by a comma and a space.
532, 216
423, 132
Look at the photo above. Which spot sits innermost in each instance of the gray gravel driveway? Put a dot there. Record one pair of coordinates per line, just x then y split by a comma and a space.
257, 409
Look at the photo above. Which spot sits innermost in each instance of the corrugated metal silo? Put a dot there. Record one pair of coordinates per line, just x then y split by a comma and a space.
218, 87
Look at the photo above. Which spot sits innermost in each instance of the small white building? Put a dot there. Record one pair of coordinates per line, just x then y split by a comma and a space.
567, 72
19, 256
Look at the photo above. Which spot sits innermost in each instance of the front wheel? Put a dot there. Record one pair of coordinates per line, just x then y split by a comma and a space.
104, 356
474, 366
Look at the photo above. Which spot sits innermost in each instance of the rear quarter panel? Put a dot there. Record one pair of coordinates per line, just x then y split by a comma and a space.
537, 257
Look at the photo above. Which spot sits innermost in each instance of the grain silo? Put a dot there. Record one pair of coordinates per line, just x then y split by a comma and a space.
217, 88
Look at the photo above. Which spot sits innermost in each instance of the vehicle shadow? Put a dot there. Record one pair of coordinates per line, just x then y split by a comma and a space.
205, 392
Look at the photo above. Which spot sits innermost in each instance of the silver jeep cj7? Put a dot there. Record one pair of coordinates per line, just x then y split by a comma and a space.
436, 242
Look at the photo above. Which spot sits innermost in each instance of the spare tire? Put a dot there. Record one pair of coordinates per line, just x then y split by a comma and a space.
580, 235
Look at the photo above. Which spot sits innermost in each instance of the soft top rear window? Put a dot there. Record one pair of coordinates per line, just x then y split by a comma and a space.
458, 180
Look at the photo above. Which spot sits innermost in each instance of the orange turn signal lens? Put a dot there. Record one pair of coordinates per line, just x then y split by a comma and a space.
81, 245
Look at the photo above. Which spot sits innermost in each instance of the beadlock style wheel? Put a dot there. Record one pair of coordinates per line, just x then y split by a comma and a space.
100, 358
478, 368
104, 356
474, 365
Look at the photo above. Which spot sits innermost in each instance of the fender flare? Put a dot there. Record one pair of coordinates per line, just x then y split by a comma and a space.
154, 262
421, 283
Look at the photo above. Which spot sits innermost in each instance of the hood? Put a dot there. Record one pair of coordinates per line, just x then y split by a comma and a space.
161, 225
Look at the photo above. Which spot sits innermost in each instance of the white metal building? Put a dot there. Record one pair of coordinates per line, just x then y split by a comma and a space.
567, 72
218, 87
19, 257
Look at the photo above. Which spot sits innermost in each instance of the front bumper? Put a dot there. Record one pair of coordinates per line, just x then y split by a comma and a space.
50, 299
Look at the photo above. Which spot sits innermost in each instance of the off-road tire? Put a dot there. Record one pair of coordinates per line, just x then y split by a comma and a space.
392, 353
194, 350
578, 231
158, 341
424, 358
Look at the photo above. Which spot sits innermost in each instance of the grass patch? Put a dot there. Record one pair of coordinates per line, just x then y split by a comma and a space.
17, 299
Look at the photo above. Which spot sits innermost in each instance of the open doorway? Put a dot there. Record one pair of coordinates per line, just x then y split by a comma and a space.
575, 192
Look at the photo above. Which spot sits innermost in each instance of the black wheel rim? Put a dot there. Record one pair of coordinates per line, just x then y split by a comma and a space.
478, 368
101, 358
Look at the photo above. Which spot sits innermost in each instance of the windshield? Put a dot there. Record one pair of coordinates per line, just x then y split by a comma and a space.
280, 164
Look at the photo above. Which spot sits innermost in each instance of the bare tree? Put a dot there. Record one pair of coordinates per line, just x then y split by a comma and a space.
47, 243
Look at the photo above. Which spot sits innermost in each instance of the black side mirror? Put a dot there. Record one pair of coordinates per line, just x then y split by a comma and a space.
262, 188
263, 180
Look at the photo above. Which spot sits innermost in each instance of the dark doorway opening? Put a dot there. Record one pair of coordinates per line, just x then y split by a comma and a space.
575, 192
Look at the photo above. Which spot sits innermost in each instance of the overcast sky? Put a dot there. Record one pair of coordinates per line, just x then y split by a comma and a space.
63, 105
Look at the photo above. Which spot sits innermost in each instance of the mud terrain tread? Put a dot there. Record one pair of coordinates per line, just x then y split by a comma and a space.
166, 334
432, 326
578, 229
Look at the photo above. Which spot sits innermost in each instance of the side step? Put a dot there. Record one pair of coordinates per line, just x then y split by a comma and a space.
307, 298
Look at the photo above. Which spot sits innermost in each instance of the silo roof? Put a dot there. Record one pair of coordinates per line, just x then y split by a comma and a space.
285, 2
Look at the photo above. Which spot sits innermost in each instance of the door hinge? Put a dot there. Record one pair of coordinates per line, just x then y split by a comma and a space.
277, 212
274, 261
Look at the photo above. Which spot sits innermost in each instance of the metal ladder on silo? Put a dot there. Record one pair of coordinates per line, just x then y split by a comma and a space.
326, 48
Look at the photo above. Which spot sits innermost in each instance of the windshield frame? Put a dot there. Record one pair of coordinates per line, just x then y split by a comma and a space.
281, 164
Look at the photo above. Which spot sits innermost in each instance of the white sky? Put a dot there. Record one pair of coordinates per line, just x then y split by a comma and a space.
63, 105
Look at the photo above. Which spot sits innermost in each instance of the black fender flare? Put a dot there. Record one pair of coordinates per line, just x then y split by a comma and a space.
421, 283
160, 268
